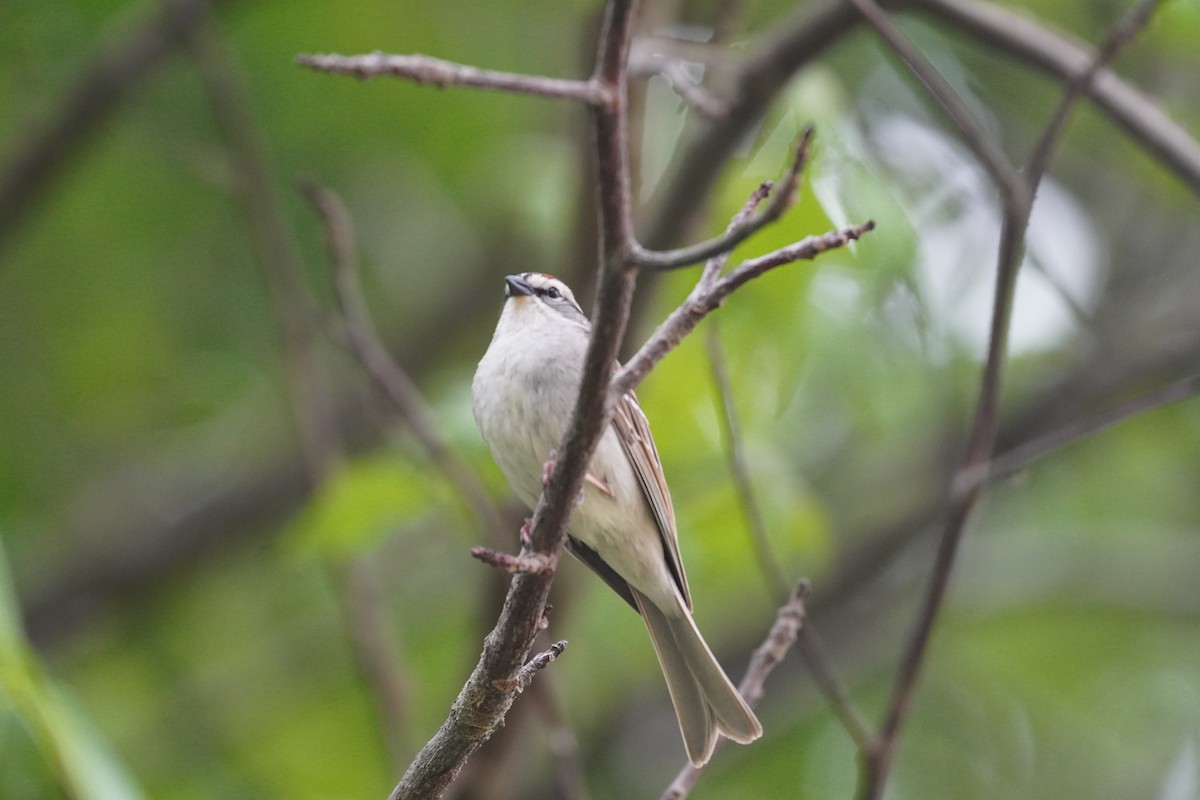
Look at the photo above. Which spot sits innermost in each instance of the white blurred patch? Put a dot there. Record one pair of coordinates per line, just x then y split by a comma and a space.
1182, 781
954, 210
666, 116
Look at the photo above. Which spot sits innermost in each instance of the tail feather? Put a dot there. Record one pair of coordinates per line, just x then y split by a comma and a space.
706, 702
691, 708
734, 719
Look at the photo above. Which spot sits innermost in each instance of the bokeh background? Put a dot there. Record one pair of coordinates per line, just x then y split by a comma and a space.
186, 602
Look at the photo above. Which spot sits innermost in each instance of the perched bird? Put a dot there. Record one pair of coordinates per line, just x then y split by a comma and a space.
522, 395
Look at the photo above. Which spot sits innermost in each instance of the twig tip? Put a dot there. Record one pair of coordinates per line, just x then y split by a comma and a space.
532, 564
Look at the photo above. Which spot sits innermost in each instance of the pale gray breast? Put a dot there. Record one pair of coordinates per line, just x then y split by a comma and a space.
522, 396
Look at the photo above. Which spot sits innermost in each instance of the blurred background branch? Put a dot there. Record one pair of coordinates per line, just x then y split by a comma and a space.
1017, 192
368, 628
101, 87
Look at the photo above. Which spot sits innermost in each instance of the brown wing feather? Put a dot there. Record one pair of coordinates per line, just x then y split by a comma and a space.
633, 430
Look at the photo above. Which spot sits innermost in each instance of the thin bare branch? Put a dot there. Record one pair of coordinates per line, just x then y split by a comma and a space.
789, 621
1007, 464
704, 300
812, 648
276, 250
365, 623
781, 200
652, 47
773, 574
443, 74
1113, 43
698, 98
535, 665
532, 563
820, 665
714, 266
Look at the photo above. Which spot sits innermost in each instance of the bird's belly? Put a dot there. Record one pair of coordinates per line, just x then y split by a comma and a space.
620, 528
517, 420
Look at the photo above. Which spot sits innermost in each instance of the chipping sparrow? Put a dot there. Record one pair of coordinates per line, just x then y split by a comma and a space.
523, 394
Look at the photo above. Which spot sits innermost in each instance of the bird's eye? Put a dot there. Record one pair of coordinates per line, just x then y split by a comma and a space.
553, 293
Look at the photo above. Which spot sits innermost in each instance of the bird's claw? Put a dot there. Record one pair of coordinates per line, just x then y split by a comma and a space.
548, 468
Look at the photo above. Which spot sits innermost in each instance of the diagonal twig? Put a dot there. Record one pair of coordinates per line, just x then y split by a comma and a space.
1120, 36
742, 228
1009, 463
365, 621
769, 565
645, 61
534, 666
705, 300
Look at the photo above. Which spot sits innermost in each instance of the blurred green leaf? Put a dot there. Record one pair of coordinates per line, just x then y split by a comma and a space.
365, 500
11, 638
85, 766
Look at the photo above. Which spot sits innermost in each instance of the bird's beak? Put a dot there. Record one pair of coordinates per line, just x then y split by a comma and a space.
515, 285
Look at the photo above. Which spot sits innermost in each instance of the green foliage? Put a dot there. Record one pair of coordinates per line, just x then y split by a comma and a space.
144, 379
366, 500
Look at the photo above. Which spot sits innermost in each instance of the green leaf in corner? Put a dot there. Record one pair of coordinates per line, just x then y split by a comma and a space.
83, 762
11, 639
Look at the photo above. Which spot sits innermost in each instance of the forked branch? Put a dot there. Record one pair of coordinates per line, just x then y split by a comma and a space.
705, 299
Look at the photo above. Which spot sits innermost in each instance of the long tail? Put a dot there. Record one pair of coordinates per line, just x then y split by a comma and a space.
706, 702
